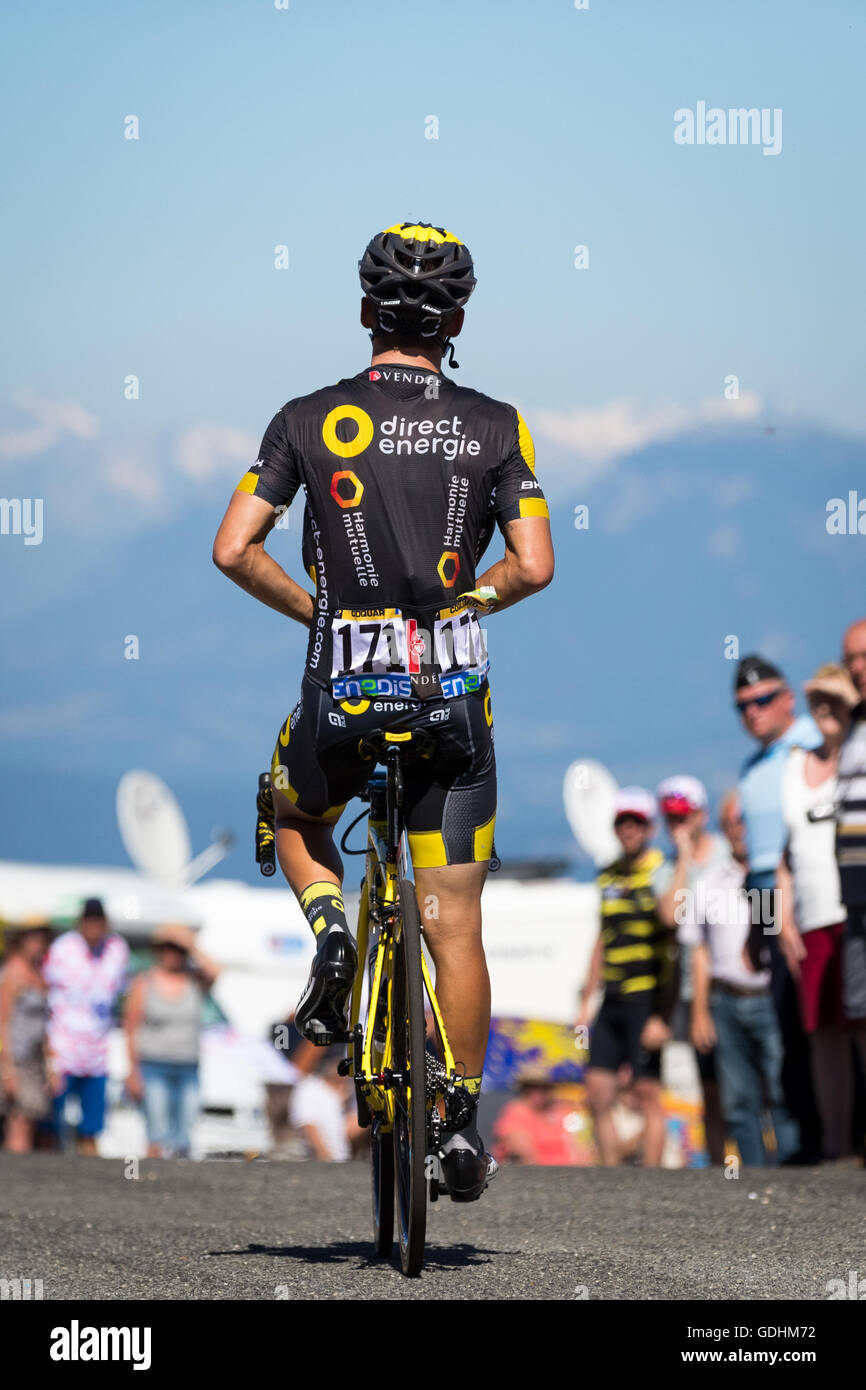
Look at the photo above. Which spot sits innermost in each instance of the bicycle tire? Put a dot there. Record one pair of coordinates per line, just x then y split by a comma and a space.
410, 1118
382, 1165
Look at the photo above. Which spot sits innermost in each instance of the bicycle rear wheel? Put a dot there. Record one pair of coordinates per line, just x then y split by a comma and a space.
410, 1100
382, 1161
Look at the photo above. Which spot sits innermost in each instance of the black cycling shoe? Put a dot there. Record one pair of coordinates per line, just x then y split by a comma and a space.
466, 1170
323, 1006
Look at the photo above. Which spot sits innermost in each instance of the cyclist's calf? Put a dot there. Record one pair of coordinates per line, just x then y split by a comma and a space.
449, 902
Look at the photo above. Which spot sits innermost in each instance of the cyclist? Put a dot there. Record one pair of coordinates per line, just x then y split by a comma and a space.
406, 475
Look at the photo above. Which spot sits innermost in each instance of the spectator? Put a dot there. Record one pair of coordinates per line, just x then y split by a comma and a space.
851, 840
302, 1056
322, 1110
813, 916
86, 973
732, 1012
535, 1127
632, 957
23, 1019
733, 827
765, 704
163, 1025
702, 864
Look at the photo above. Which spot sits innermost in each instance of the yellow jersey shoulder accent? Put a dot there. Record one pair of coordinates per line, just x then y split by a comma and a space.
524, 439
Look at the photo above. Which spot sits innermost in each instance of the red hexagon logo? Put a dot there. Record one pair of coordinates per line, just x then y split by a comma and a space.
343, 477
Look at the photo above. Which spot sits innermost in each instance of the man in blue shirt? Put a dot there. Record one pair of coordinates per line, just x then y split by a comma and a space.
765, 703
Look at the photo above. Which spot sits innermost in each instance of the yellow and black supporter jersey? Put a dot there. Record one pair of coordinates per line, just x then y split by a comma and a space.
636, 945
406, 476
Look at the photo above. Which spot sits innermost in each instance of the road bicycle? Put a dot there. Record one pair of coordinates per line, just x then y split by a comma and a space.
406, 1081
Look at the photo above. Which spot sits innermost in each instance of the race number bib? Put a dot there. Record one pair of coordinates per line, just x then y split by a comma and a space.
372, 642
378, 651
459, 643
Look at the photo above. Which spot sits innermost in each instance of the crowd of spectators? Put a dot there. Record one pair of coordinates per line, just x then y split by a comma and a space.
59, 999
749, 943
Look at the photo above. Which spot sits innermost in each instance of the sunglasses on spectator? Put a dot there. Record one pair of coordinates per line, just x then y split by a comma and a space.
760, 700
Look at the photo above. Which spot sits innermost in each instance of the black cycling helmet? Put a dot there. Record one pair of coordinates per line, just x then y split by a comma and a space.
416, 275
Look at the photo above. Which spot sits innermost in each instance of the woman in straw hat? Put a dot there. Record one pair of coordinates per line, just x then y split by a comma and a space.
163, 1023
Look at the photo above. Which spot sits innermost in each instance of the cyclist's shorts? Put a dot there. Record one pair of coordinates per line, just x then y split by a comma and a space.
615, 1039
449, 800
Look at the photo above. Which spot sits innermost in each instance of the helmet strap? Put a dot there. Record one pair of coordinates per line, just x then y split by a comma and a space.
448, 346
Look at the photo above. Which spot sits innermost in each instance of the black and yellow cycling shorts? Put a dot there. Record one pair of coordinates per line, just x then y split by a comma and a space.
449, 801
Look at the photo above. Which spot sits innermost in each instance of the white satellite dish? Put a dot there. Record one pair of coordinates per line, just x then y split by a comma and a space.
589, 792
154, 830
152, 826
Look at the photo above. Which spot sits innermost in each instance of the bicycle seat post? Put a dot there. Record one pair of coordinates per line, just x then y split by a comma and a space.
394, 767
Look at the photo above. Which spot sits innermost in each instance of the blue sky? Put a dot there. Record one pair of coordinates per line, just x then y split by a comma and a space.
306, 127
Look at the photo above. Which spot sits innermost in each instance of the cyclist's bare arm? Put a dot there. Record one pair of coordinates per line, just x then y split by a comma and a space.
239, 551
527, 565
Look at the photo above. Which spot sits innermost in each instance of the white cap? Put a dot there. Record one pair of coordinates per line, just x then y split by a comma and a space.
687, 791
635, 801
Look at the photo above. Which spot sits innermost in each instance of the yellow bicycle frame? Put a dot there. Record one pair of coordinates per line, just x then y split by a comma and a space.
381, 887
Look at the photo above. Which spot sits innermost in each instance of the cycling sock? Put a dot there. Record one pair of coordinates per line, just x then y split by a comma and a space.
322, 905
468, 1089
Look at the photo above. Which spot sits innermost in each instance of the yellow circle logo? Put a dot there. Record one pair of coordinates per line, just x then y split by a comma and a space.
355, 706
362, 438
488, 711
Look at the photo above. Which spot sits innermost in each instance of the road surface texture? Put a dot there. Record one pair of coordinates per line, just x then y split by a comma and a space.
263, 1230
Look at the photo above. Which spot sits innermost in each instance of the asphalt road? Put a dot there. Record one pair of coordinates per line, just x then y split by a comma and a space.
261, 1230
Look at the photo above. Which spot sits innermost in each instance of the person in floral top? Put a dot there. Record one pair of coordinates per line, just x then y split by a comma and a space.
85, 971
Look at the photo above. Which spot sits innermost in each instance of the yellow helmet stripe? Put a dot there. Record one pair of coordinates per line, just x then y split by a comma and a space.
422, 234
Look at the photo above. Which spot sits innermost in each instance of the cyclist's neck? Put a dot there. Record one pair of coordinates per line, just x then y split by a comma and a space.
407, 358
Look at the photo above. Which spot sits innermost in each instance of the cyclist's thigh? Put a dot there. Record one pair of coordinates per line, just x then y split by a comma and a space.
450, 799
316, 767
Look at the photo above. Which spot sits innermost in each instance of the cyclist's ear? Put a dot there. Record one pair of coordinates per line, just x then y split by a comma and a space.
453, 324
368, 314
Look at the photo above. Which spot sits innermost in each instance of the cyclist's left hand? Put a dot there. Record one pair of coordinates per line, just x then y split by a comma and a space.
484, 599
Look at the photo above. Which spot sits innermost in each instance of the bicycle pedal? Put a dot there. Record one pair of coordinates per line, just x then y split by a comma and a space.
321, 1037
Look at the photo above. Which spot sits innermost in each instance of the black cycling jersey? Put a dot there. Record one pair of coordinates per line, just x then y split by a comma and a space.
406, 476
